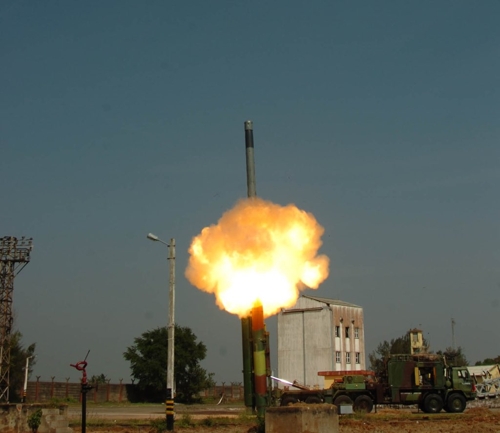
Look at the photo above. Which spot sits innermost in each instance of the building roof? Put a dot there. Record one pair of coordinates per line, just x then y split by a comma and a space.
480, 370
330, 301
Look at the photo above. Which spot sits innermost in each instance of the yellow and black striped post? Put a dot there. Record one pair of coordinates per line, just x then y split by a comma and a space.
169, 410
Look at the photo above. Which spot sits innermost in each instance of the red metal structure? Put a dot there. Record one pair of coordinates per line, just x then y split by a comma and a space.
85, 387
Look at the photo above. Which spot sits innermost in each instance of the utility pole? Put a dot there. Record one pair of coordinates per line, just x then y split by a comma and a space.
171, 339
169, 402
14, 256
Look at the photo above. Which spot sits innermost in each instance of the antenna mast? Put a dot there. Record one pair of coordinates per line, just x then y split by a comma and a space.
453, 333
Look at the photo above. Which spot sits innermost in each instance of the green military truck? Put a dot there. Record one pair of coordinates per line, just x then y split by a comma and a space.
419, 379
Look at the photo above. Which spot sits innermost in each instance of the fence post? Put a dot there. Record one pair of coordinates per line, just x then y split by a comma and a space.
67, 388
120, 392
52, 387
37, 388
107, 389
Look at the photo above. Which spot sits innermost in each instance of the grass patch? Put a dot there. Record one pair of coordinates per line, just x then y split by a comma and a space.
100, 423
225, 402
158, 425
208, 422
185, 421
245, 417
360, 416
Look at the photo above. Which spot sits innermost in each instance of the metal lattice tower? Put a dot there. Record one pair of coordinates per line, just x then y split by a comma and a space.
14, 256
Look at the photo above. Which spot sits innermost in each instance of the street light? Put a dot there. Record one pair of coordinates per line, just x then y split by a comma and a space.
26, 369
169, 403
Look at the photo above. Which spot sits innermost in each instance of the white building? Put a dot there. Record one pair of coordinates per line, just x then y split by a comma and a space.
487, 380
319, 334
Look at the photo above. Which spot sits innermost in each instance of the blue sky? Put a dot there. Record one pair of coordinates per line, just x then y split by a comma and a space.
121, 118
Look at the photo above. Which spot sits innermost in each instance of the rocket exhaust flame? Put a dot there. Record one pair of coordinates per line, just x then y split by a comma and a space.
258, 252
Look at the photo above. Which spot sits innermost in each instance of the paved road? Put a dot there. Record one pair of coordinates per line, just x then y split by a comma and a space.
95, 413
150, 411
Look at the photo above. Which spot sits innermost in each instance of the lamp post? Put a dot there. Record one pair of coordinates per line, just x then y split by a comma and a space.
26, 369
169, 403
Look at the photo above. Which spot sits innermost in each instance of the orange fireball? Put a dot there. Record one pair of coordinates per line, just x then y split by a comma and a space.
258, 251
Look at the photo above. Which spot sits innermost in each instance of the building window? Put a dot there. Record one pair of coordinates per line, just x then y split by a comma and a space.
356, 332
348, 358
358, 357
337, 331
347, 329
337, 357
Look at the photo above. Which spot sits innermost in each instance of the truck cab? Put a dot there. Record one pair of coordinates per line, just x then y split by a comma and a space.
459, 379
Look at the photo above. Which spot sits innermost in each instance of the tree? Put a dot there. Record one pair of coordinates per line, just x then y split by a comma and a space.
148, 362
489, 361
386, 348
454, 357
400, 345
18, 355
97, 380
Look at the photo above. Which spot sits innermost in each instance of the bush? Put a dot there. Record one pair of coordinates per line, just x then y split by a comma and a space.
34, 420
185, 421
158, 425
208, 422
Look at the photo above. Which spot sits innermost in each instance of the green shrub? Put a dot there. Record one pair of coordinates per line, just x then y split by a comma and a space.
158, 425
34, 420
208, 422
185, 421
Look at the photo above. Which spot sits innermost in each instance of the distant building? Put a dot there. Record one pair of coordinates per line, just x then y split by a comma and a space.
487, 380
417, 341
319, 334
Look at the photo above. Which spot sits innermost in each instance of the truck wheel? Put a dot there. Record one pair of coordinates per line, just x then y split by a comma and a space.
285, 401
456, 403
313, 399
433, 403
342, 399
363, 403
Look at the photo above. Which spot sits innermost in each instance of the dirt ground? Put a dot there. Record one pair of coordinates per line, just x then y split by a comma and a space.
474, 420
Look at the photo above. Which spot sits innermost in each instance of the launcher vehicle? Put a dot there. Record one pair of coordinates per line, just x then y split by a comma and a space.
422, 379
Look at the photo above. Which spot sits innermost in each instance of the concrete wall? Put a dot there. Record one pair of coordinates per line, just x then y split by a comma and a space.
305, 342
316, 418
313, 336
39, 391
230, 392
14, 418
349, 320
